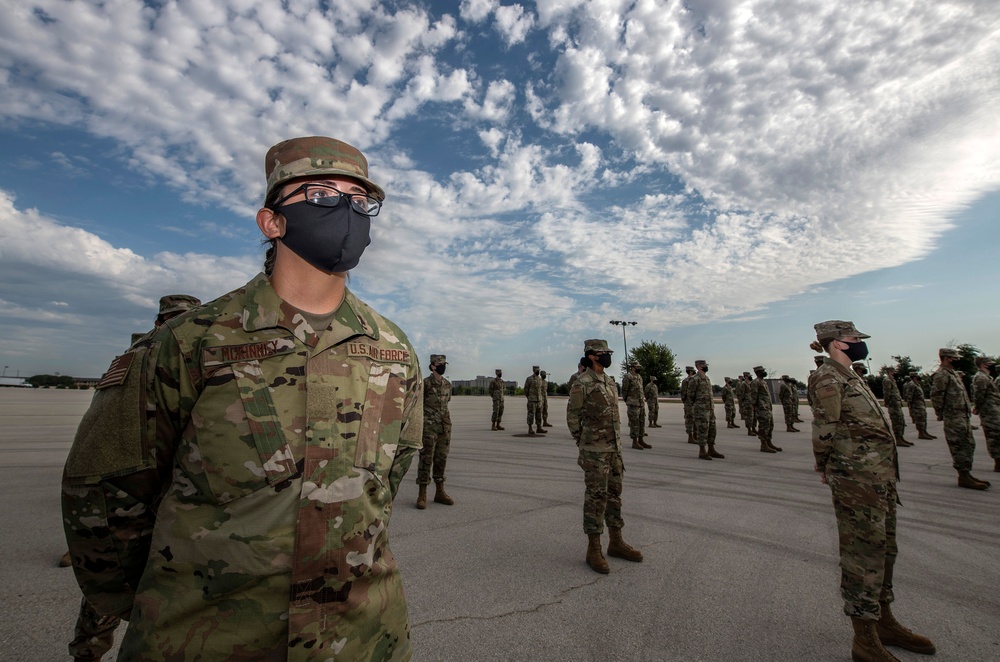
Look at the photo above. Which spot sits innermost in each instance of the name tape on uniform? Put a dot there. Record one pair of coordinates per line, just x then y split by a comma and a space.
250, 352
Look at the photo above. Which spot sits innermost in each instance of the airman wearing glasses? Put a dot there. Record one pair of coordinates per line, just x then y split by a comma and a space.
236, 501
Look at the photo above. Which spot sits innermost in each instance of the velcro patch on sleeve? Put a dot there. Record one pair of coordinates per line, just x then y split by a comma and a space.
117, 371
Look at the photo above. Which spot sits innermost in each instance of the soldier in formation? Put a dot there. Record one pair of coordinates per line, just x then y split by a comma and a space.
746, 403
437, 434
729, 402
894, 403
652, 394
703, 412
856, 456
227, 460
533, 388
859, 369
787, 398
760, 399
951, 404
686, 401
545, 399
916, 402
594, 423
496, 393
633, 396
986, 401
580, 369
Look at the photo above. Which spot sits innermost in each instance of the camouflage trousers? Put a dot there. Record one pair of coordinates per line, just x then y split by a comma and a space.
688, 423
545, 410
991, 429
866, 524
535, 413
919, 417
897, 420
764, 420
961, 443
731, 413
751, 417
602, 500
703, 424
497, 408
743, 410
94, 634
434, 455
789, 411
653, 408
636, 421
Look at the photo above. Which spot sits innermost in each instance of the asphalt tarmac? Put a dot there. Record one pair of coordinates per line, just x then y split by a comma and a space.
740, 554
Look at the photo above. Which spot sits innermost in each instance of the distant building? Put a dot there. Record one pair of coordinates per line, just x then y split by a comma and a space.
479, 386
15, 382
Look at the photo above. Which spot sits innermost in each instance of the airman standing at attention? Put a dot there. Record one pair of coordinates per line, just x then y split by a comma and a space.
496, 393
580, 369
894, 403
760, 398
856, 456
230, 489
986, 398
437, 434
595, 424
545, 399
747, 399
687, 402
729, 402
703, 412
819, 361
860, 370
785, 397
951, 404
916, 402
533, 392
652, 394
632, 395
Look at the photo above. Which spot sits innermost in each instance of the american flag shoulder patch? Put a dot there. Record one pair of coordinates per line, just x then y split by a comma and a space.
117, 372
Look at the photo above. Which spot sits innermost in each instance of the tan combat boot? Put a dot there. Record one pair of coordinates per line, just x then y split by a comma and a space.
636, 444
703, 454
776, 449
691, 439
494, 427
751, 433
866, 646
540, 430
531, 432
422, 498
764, 448
500, 427
66, 561
891, 633
642, 442
595, 559
714, 453
791, 428
903, 443
440, 496
965, 479
922, 434
620, 549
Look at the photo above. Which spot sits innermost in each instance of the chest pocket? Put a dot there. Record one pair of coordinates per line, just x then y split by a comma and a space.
240, 441
381, 419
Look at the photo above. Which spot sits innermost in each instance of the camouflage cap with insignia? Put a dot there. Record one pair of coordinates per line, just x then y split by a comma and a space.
177, 303
596, 345
699, 362
312, 156
948, 352
437, 359
837, 329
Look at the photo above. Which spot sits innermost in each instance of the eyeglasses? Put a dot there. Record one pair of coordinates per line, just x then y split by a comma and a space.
325, 195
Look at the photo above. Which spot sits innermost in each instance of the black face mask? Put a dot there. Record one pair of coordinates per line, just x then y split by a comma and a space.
604, 360
705, 369
329, 238
856, 351
762, 375
439, 368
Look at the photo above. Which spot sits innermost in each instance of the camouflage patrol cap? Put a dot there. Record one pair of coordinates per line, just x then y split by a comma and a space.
178, 303
596, 345
858, 365
437, 359
498, 371
534, 367
819, 358
543, 373
699, 362
689, 368
746, 374
310, 156
653, 378
948, 352
635, 364
758, 368
785, 377
837, 329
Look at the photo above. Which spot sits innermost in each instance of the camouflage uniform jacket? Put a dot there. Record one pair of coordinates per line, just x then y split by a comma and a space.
592, 413
728, 395
914, 395
230, 488
533, 388
890, 393
545, 390
760, 396
686, 395
700, 391
632, 389
948, 395
852, 437
437, 395
651, 392
786, 395
986, 396
497, 388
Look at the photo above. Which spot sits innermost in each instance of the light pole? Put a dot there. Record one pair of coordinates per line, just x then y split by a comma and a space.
623, 324
5, 371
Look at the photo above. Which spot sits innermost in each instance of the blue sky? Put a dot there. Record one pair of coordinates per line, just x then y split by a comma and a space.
725, 173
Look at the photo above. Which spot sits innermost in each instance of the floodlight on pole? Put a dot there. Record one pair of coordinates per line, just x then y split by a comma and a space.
623, 324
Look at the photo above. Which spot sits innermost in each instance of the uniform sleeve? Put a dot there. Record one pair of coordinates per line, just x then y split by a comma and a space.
938, 389
827, 397
411, 433
574, 409
109, 502
980, 387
